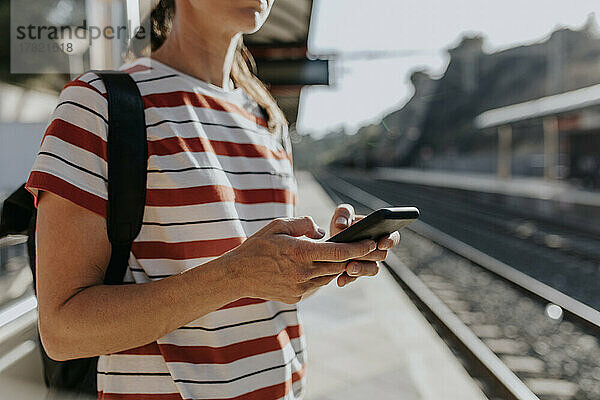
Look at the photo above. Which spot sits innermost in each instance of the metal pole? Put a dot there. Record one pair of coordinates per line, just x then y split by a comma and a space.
504, 151
133, 16
551, 147
96, 13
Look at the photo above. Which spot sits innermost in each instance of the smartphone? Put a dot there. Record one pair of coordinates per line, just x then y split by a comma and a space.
378, 224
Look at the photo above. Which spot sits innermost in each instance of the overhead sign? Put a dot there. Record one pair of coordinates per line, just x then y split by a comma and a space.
293, 72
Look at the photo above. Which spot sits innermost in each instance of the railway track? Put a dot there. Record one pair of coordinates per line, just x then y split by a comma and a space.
557, 255
519, 337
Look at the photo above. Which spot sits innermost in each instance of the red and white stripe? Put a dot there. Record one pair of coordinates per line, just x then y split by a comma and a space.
216, 175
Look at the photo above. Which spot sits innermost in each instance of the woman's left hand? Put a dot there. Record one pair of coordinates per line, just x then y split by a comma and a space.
343, 217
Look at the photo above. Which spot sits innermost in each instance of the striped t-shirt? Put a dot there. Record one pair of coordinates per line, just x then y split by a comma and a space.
216, 175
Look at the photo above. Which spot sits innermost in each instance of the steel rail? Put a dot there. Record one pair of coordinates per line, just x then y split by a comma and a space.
574, 309
504, 381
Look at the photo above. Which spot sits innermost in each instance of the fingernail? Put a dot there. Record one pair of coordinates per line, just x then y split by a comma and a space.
385, 246
353, 268
341, 221
372, 245
321, 231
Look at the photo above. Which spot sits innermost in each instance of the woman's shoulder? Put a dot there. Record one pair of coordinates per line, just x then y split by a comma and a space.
71, 162
89, 92
87, 86
91, 80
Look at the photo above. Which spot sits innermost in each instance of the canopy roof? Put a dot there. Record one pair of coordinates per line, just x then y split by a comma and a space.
280, 50
544, 106
287, 24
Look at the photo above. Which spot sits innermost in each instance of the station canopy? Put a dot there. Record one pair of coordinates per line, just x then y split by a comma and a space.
550, 105
281, 54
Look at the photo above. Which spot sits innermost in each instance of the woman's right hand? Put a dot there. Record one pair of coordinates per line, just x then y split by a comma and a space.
277, 264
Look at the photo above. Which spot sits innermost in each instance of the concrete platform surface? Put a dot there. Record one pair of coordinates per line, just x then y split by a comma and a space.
367, 340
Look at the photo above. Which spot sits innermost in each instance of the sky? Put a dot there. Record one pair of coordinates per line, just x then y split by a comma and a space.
418, 34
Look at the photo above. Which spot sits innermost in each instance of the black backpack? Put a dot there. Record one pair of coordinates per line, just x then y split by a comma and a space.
127, 164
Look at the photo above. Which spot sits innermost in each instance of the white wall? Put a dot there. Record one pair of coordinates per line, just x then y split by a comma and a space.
23, 117
18, 104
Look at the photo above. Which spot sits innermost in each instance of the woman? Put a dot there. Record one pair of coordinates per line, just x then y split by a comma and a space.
208, 311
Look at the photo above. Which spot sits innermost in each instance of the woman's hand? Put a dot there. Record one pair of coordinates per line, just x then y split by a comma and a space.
277, 264
343, 217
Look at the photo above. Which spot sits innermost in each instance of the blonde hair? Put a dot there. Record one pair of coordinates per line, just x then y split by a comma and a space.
243, 70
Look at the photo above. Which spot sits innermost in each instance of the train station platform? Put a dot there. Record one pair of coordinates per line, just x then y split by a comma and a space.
367, 340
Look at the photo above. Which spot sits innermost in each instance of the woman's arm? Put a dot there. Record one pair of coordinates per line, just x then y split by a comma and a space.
81, 317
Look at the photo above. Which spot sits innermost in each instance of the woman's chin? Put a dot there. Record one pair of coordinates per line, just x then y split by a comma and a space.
250, 20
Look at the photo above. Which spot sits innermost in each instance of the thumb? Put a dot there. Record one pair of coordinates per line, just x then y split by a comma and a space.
343, 216
301, 226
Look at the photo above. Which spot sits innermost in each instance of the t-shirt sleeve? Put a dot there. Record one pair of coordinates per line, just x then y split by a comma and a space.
71, 162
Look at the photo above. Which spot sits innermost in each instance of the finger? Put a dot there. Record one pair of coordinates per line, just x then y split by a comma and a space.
358, 218
320, 281
389, 241
344, 279
362, 268
319, 269
343, 216
377, 255
349, 280
336, 252
301, 226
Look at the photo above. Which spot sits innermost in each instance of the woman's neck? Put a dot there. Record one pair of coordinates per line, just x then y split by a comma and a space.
202, 52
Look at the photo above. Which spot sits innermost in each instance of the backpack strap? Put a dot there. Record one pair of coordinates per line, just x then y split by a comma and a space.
127, 165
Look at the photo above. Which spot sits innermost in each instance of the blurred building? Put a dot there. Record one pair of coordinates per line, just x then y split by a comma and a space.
570, 123
437, 127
